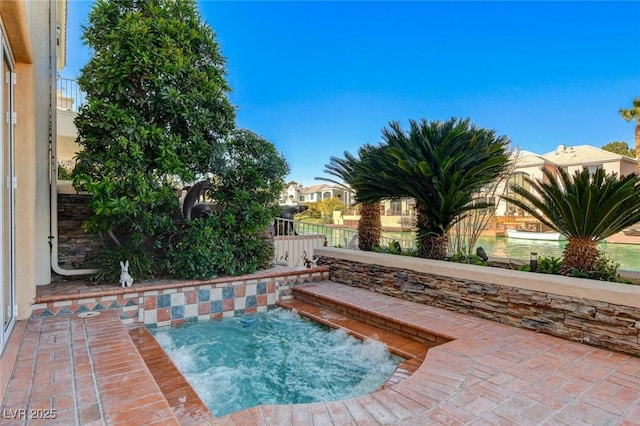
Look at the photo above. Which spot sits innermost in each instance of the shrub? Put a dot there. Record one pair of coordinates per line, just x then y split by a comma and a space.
233, 240
549, 265
469, 258
141, 262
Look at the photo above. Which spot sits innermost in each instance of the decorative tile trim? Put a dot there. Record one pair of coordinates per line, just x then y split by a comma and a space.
180, 302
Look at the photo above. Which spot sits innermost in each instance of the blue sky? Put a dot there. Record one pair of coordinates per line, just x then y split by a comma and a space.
319, 78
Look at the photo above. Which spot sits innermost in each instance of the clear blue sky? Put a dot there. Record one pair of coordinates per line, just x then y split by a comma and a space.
319, 78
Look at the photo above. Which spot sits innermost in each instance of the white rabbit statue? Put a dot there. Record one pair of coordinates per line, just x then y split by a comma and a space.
125, 278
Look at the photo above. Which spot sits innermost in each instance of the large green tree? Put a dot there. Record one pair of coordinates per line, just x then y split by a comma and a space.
233, 239
585, 207
443, 165
621, 148
156, 111
633, 114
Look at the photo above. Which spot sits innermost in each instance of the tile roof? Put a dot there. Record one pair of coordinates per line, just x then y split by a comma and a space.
582, 154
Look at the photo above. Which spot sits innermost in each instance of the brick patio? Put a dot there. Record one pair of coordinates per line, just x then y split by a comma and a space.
488, 374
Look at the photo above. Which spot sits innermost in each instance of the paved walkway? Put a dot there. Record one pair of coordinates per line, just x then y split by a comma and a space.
490, 374
70, 370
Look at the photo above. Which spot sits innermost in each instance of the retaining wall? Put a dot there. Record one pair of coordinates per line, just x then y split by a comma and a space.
598, 313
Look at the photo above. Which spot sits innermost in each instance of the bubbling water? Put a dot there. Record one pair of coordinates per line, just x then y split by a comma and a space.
275, 357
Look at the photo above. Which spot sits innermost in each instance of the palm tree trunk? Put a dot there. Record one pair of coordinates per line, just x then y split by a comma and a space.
369, 226
579, 254
638, 143
430, 246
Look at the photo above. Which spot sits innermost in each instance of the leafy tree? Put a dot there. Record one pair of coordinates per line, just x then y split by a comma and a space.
621, 148
329, 205
156, 111
442, 165
633, 114
233, 240
585, 207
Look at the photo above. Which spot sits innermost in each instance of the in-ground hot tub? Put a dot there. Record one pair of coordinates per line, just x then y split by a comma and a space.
274, 357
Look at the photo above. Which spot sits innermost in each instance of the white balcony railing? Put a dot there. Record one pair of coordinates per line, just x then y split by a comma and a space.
69, 95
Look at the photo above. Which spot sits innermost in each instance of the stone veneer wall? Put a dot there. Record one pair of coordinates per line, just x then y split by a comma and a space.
76, 248
598, 313
174, 303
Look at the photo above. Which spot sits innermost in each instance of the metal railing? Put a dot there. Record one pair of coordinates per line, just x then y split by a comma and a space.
295, 241
292, 245
69, 95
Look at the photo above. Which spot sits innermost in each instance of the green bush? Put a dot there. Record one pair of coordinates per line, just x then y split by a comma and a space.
392, 248
549, 265
605, 269
197, 251
471, 259
141, 262
232, 241
64, 172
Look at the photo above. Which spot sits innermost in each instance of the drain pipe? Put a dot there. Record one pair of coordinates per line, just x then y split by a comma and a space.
53, 156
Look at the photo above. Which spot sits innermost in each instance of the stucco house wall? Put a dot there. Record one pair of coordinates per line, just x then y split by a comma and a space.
15, 18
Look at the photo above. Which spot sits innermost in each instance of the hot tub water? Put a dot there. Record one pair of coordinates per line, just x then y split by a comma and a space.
274, 357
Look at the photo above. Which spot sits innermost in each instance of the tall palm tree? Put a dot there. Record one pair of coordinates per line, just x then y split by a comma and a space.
585, 208
630, 115
442, 165
346, 169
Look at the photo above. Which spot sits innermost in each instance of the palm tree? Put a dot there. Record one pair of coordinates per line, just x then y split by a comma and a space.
630, 115
442, 165
345, 170
585, 208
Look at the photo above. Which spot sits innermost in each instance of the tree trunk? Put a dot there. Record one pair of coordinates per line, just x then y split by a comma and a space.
579, 254
433, 246
430, 246
369, 226
638, 143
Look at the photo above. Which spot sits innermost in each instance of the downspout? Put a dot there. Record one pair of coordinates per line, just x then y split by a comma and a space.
53, 157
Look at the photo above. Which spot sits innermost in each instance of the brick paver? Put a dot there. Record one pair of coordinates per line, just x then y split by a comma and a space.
488, 374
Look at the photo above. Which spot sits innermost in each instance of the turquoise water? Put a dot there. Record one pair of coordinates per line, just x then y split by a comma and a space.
274, 357
627, 255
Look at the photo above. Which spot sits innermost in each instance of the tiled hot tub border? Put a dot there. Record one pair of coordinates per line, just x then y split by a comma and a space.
174, 303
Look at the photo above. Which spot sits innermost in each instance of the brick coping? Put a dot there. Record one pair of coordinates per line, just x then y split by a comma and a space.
183, 399
81, 290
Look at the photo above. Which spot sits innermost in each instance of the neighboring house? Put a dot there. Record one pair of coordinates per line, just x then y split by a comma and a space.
32, 47
527, 164
290, 195
321, 192
574, 158
395, 215
530, 165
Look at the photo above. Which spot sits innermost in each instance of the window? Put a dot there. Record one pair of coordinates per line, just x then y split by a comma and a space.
593, 167
395, 208
517, 178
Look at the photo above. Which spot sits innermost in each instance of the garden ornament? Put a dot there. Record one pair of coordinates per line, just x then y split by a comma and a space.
482, 254
125, 278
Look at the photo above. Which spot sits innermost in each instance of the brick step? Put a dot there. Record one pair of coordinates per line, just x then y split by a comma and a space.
412, 351
182, 398
306, 293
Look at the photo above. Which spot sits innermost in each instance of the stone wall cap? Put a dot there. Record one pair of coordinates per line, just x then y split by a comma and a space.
580, 288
